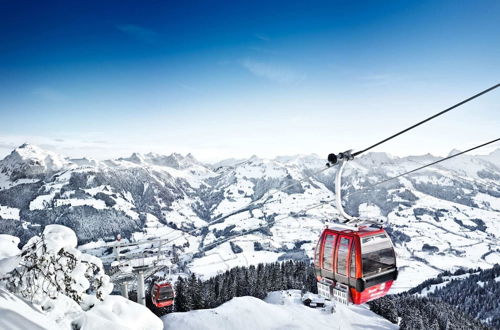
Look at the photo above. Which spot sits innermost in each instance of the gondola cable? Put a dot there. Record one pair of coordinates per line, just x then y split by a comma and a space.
341, 158
433, 163
332, 160
426, 120
323, 203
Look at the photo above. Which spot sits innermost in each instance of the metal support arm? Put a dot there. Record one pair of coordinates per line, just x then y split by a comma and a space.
338, 192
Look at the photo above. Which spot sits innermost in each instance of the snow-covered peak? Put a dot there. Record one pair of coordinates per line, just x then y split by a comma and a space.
376, 159
454, 152
28, 160
136, 158
174, 160
229, 162
191, 158
493, 157
426, 158
84, 161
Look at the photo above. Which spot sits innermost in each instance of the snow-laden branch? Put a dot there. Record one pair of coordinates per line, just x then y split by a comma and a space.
50, 265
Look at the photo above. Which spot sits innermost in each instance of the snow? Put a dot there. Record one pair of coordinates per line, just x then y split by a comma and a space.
493, 258
125, 204
58, 237
9, 212
69, 304
33, 160
4, 181
116, 312
8, 246
280, 310
222, 258
16, 314
232, 188
370, 211
8, 264
487, 200
9, 253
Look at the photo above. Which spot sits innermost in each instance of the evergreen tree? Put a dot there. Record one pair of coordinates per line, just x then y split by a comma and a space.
181, 303
195, 297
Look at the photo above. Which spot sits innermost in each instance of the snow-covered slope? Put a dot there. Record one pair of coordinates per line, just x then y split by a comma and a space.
280, 310
17, 314
115, 313
62, 288
440, 218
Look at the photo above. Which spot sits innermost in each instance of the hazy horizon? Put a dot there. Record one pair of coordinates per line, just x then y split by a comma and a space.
484, 151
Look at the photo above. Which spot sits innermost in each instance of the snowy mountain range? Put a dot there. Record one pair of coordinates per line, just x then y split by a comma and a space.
443, 217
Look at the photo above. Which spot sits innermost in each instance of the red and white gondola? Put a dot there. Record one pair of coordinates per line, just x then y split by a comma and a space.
354, 262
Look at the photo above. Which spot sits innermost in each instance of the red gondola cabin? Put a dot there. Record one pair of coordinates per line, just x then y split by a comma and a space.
355, 265
162, 294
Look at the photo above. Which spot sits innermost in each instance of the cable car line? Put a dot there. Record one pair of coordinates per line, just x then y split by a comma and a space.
349, 240
426, 120
267, 224
332, 160
218, 242
434, 163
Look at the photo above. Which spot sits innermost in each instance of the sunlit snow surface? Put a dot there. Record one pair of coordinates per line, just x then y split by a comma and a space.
60, 311
9, 212
114, 313
16, 314
9, 253
165, 196
280, 310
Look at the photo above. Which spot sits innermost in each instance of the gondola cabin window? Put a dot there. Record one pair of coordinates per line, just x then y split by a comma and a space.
328, 252
342, 256
317, 253
166, 293
155, 291
377, 253
353, 261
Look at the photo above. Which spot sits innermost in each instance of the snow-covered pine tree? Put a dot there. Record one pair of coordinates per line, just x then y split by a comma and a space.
194, 292
51, 265
181, 303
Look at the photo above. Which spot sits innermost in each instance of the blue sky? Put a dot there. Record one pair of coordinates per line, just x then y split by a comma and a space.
229, 79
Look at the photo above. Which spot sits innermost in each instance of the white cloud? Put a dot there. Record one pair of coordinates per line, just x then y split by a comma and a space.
272, 72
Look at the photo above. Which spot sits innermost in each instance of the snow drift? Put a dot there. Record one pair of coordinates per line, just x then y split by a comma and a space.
62, 287
280, 310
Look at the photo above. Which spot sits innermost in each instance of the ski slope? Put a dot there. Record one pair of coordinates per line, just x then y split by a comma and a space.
280, 310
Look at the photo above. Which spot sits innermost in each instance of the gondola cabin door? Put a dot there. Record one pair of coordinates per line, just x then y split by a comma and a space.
342, 257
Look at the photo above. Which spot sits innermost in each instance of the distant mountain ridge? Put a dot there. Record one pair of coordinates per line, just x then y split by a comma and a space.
442, 217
